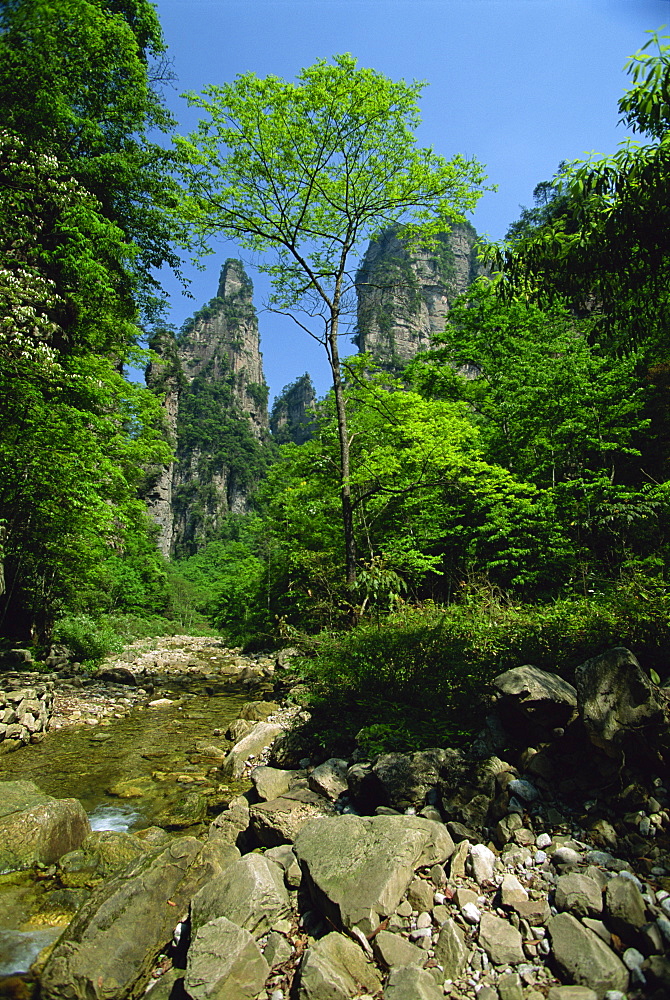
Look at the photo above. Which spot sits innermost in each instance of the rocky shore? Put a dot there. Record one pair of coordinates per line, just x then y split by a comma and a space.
534, 865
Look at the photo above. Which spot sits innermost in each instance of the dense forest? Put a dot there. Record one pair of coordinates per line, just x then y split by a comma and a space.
503, 498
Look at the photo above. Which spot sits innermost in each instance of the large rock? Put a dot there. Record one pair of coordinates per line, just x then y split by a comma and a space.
579, 894
402, 780
230, 826
271, 782
411, 983
451, 950
357, 868
224, 963
250, 892
104, 852
625, 908
535, 699
330, 778
335, 968
111, 946
251, 746
278, 821
36, 828
392, 950
584, 958
617, 702
500, 940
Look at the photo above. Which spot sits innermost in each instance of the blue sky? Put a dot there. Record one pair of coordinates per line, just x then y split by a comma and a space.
519, 84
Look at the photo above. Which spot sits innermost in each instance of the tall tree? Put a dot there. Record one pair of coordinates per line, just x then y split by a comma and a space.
304, 173
83, 220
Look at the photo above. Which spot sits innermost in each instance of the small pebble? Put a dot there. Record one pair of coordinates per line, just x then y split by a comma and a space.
542, 841
471, 913
419, 932
631, 878
663, 924
632, 958
566, 856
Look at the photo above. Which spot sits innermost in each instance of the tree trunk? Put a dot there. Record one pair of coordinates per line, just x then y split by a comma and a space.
343, 434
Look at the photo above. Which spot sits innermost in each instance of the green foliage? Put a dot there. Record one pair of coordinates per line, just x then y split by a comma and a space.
76, 84
550, 404
84, 223
421, 677
302, 174
89, 639
72, 452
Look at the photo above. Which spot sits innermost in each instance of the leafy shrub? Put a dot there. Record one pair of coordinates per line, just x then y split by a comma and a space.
92, 639
421, 677
89, 639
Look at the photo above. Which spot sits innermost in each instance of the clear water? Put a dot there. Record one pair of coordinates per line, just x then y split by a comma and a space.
155, 746
117, 818
19, 949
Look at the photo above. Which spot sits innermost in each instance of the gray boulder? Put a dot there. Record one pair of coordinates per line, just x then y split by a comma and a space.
330, 778
111, 946
402, 780
36, 828
278, 821
617, 702
335, 968
584, 958
357, 868
451, 950
230, 826
104, 852
224, 963
625, 907
535, 699
500, 940
271, 782
392, 950
579, 894
250, 892
251, 746
412, 983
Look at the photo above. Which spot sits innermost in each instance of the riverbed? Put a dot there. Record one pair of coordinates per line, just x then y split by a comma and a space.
130, 769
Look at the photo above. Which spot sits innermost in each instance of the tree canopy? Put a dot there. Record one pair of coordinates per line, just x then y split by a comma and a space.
302, 173
84, 222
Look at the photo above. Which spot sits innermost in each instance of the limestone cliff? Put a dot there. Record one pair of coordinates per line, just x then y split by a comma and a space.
404, 298
292, 414
215, 399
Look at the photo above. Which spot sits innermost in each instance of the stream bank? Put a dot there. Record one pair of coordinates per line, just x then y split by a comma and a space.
533, 866
139, 743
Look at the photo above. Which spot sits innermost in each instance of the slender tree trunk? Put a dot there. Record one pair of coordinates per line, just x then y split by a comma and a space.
343, 434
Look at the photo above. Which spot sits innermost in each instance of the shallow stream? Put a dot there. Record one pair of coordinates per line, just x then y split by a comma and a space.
152, 749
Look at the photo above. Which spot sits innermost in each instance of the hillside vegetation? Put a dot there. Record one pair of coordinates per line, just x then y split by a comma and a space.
504, 499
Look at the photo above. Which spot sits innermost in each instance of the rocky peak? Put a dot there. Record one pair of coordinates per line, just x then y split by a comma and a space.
404, 296
293, 412
215, 398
